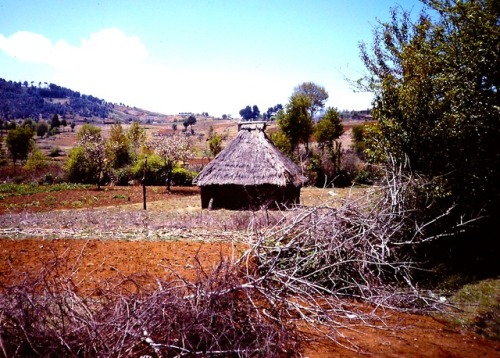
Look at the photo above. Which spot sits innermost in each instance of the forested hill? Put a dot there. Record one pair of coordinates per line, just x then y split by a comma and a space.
23, 100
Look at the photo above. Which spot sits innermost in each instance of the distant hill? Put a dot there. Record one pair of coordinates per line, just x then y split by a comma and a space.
20, 100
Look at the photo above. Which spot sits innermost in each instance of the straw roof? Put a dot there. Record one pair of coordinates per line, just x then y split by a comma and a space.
251, 159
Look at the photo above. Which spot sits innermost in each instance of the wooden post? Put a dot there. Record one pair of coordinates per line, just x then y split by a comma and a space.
144, 181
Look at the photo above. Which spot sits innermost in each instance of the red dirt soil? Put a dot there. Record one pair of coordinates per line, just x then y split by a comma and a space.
97, 260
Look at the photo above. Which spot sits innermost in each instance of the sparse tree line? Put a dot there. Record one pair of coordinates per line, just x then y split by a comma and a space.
118, 159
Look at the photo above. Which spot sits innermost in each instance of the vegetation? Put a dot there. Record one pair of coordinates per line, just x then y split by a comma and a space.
21, 100
20, 143
172, 150
316, 94
87, 160
437, 103
250, 113
215, 144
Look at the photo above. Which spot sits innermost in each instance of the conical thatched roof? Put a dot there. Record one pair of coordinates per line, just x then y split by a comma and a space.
251, 159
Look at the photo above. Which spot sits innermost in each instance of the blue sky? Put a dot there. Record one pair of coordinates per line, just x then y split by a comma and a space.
199, 56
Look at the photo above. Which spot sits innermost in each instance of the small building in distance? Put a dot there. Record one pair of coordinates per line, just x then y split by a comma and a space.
250, 173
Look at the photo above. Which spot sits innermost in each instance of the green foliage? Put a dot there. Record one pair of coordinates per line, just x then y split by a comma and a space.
215, 143
182, 176
36, 160
155, 174
41, 128
316, 94
3, 158
250, 113
55, 122
118, 147
87, 130
295, 122
77, 167
12, 189
282, 142
437, 103
480, 303
55, 152
123, 176
20, 143
87, 160
328, 129
137, 137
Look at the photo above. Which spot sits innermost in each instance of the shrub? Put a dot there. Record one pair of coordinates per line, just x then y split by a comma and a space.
55, 152
123, 176
155, 174
36, 160
183, 177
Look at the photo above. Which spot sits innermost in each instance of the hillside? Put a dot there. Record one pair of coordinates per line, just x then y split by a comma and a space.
20, 100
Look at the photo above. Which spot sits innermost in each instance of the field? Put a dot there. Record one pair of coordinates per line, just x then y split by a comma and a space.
102, 234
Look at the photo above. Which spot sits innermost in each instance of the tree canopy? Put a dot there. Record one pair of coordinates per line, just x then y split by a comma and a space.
295, 121
250, 113
436, 81
20, 142
316, 94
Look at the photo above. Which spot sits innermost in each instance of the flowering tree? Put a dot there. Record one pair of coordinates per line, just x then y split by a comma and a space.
173, 149
94, 154
87, 162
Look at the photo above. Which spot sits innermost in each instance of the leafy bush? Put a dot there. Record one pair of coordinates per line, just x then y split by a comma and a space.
36, 160
77, 169
122, 176
55, 152
183, 177
155, 174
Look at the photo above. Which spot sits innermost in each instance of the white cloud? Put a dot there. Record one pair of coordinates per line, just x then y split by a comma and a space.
114, 66
105, 62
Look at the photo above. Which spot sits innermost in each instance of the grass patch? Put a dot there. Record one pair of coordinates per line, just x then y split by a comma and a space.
480, 307
10, 189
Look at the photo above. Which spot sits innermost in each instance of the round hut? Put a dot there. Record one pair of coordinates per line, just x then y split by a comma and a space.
250, 173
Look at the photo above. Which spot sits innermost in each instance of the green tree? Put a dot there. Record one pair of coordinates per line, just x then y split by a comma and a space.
317, 95
118, 147
36, 160
282, 142
55, 122
19, 143
295, 122
327, 132
137, 137
215, 143
328, 129
436, 82
41, 128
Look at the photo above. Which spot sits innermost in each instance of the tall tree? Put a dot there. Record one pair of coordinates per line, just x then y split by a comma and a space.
436, 82
327, 132
118, 147
137, 137
19, 143
296, 122
317, 95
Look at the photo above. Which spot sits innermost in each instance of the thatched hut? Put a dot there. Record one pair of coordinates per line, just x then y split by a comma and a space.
250, 173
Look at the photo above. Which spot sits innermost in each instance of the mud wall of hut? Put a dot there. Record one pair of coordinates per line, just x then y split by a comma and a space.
252, 197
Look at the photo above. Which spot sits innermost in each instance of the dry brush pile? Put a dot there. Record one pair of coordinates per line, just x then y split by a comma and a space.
303, 275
